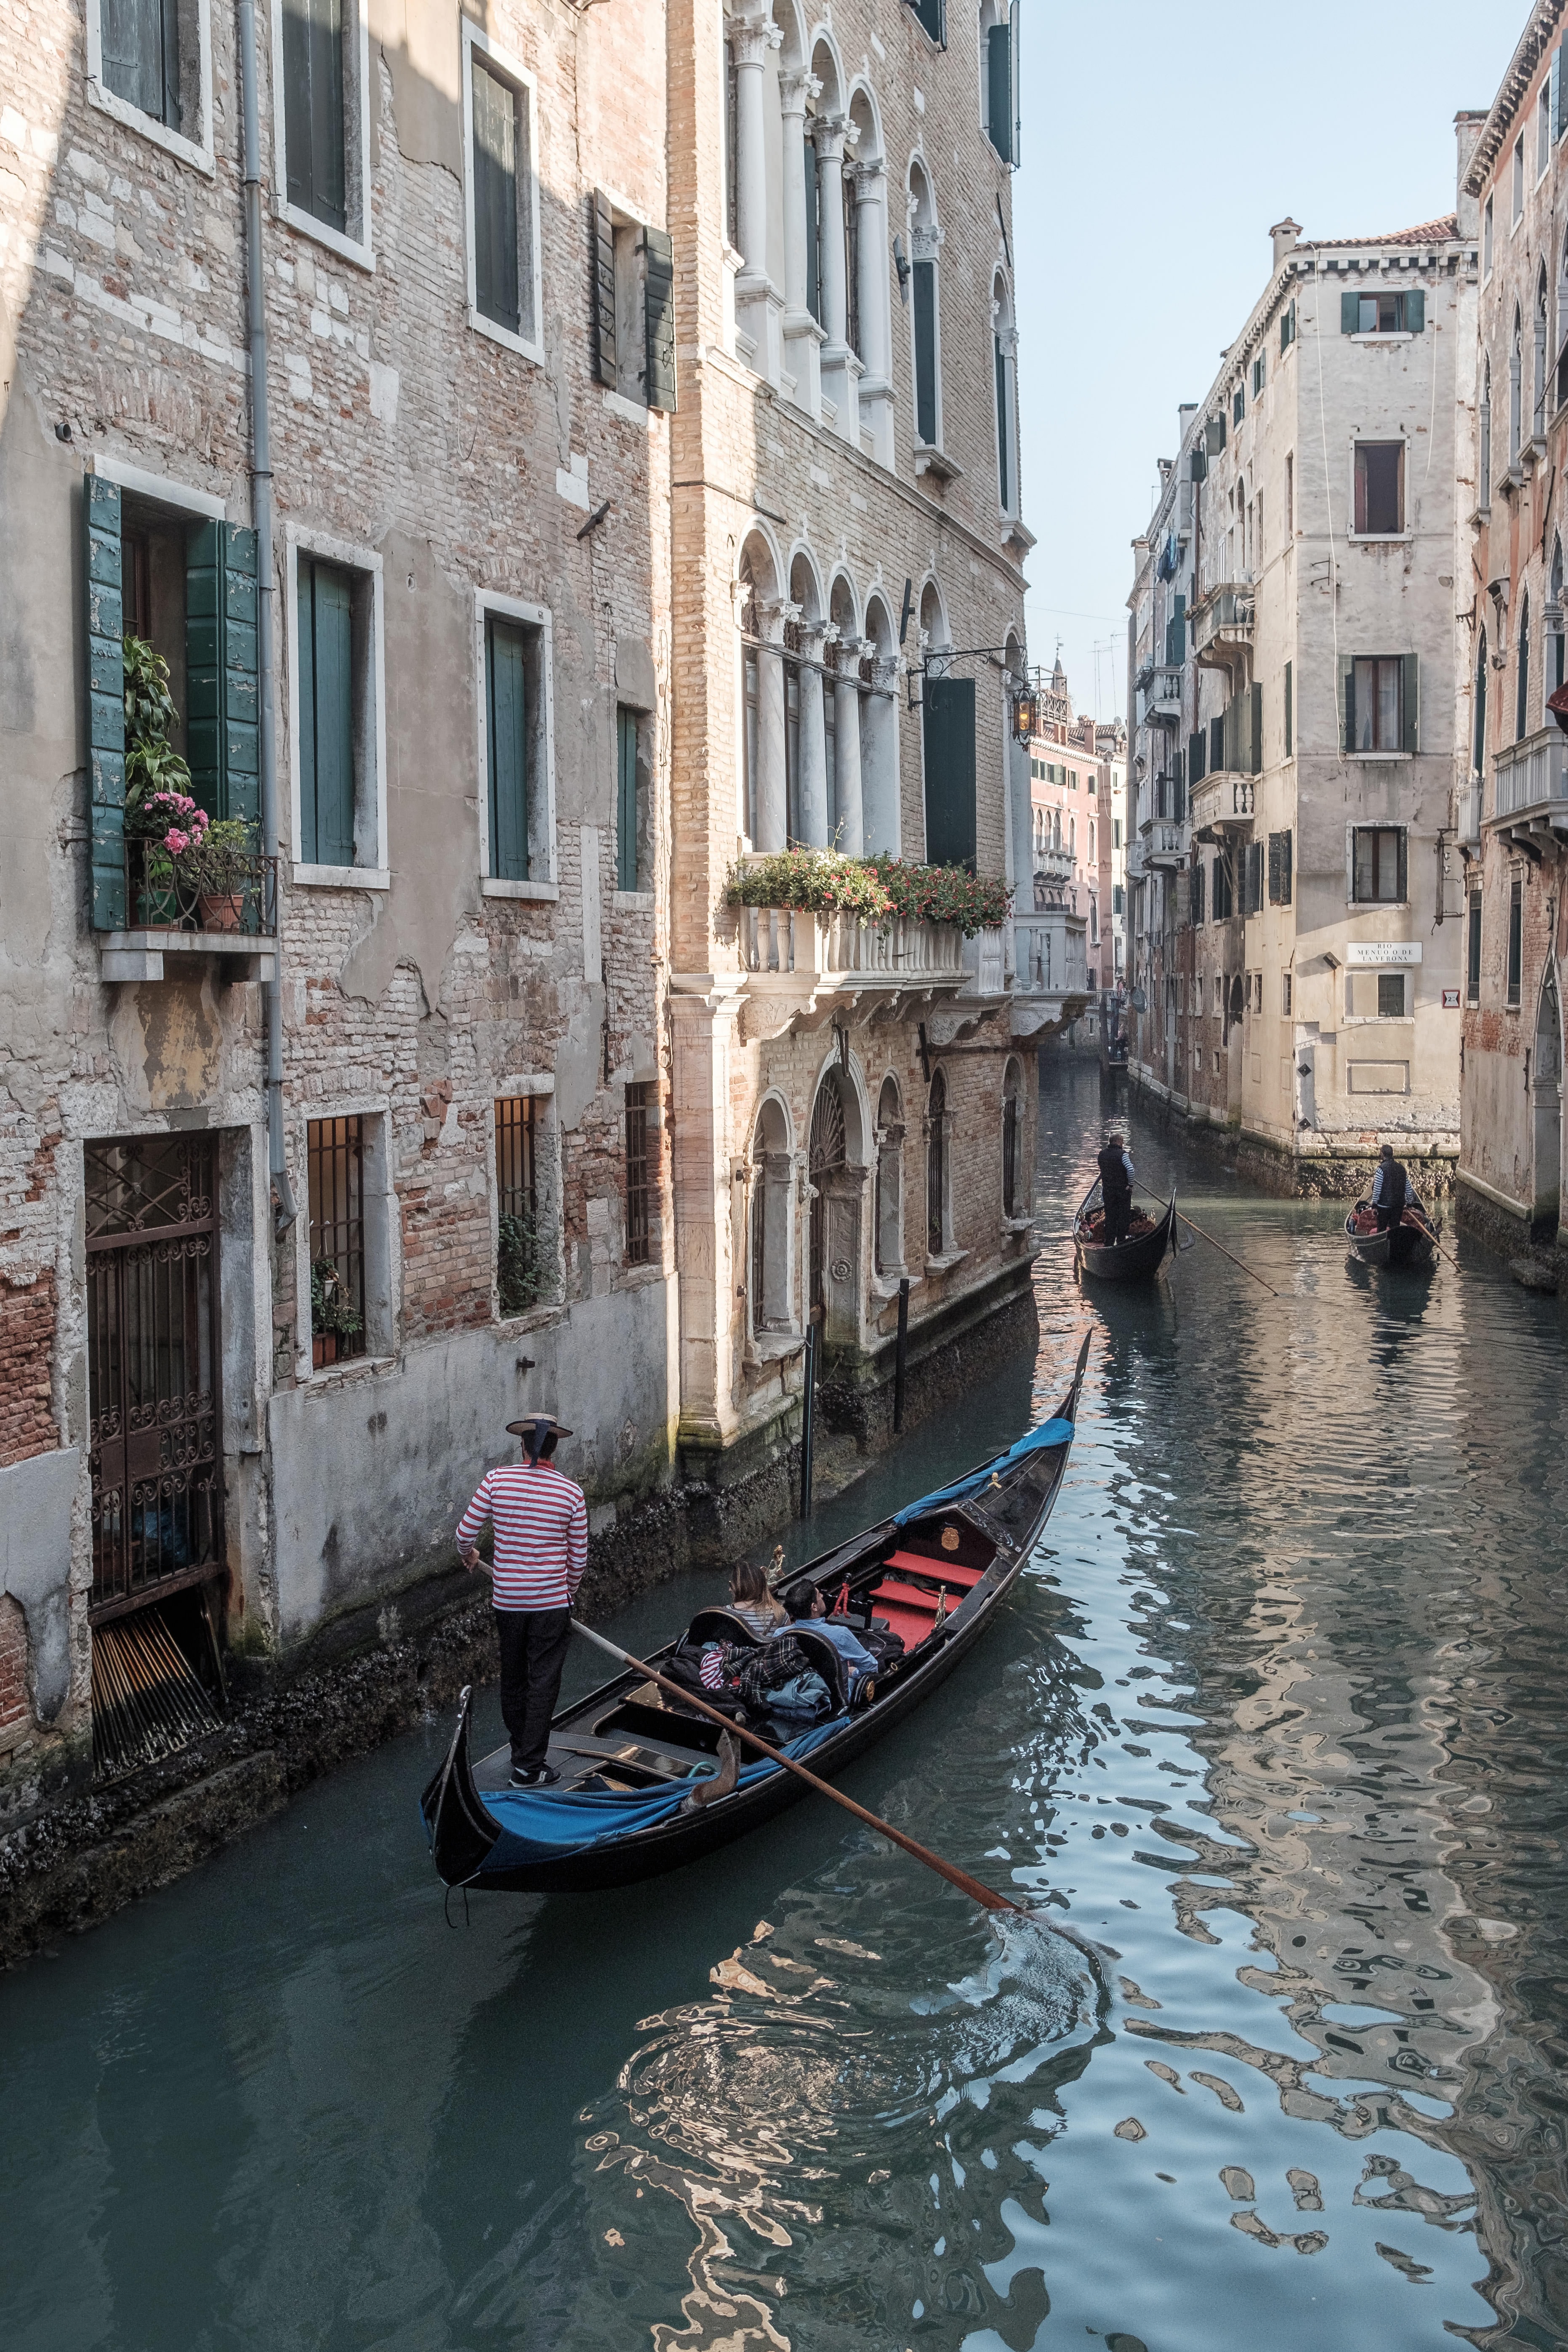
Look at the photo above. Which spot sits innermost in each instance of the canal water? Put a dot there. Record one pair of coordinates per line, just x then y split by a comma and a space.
1274, 1723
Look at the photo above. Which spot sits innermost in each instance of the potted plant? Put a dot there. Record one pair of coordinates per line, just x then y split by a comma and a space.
151, 763
332, 1316
221, 865
170, 826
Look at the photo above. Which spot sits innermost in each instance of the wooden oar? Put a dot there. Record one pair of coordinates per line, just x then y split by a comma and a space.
1268, 1286
986, 1896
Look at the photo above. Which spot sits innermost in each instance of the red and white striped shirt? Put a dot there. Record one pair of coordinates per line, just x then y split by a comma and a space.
541, 1523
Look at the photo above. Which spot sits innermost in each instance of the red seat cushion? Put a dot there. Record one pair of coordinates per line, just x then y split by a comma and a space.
950, 1571
910, 1627
904, 1596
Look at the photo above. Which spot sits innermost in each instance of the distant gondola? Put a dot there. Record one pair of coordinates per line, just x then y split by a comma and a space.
1411, 1241
630, 1758
1138, 1259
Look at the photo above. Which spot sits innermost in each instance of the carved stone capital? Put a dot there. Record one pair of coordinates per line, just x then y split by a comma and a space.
754, 37
794, 88
925, 244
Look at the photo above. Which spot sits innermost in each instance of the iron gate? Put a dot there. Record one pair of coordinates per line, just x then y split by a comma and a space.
153, 1361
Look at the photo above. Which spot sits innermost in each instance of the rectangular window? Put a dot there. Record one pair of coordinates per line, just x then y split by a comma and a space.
1239, 404
1223, 887
1287, 328
499, 137
1254, 879
1285, 994
520, 1258
633, 304
932, 15
950, 772
629, 800
1198, 889
1116, 833
1289, 715
506, 720
141, 56
1487, 240
334, 1155
1378, 716
641, 1173
1518, 178
327, 673
1378, 865
1259, 366
315, 130
1279, 870
926, 405
1379, 489
1515, 940
999, 89
1473, 951
1383, 314
1543, 127
1391, 996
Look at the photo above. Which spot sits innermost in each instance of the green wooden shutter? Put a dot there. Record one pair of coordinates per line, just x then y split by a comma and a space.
1410, 704
1015, 25
326, 715
506, 702
1199, 466
1416, 310
659, 312
1404, 864
625, 798
313, 123
813, 230
1350, 313
925, 352
1285, 868
1196, 747
140, 50
497, 293
1347, 702
1003, 482
1274, 841
222, 709
948, 739
1197, 892
1255, 731
1555, 86
105, 701
1214, 434
602, 287
999, 89
1289, 716
1216, 744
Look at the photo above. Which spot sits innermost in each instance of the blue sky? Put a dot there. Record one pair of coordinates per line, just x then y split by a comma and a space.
1159, 145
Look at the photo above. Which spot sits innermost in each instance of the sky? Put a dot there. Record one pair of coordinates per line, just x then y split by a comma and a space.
1158, 148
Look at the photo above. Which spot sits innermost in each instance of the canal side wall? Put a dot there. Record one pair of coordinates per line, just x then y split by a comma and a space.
1342, 1175
74, 1854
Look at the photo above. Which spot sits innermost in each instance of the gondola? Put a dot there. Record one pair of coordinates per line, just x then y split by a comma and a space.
1411, 1241
631, 1760
1138, 1259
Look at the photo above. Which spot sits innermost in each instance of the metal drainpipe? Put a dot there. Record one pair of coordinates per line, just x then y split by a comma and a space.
261, 508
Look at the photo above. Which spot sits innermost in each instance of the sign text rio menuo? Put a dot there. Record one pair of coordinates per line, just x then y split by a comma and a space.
1384, 951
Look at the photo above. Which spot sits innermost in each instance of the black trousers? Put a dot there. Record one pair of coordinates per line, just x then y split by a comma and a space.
1388, 1216
533, 1655
1117, 1215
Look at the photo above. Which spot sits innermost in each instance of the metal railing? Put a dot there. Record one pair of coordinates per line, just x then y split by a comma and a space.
782, 939
1532, 774
170, 894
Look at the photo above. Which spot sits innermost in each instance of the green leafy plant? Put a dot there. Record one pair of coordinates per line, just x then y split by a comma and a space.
519, 1263
331, 1309
151, 763
877, 889
221, 862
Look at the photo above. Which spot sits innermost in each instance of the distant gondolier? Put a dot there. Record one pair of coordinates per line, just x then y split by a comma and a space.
1117, 1175
541, 1523
1390, 1191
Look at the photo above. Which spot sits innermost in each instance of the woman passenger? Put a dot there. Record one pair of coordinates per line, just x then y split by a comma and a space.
751, 1602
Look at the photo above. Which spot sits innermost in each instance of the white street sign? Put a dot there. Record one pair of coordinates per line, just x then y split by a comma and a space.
1385, 951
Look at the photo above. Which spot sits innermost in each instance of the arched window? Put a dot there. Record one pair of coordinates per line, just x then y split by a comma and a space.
1522, 682
1553, 664
936, 1167
1484, 486
772, 1181
1004, 350
1515, 388
867, 189
1072, 836
879, 791
889, 1180
925, 241
1480, 742
998, 78
805, 743
826, 1154
1091, 856
1012, 1174
1538, 403
764, 773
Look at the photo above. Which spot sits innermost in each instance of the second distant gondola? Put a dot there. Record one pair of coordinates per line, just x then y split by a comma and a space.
1137, 1259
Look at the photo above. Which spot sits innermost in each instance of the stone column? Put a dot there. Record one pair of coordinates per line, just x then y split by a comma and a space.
754, 37
813, 738
830, 134
880, 816
772, 777
876, 327
802, 334
705, 1200
847, 743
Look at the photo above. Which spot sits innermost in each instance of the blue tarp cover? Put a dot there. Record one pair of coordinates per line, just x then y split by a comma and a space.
1034, 1441
538, 1827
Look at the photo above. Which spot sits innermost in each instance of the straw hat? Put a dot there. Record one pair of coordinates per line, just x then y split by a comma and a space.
544, 1424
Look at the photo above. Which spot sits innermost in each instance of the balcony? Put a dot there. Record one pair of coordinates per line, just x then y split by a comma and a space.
1164, 703
1223, 805
1529, 796
797, 970
1221, 626
168, 914
1164, 846
1053, 866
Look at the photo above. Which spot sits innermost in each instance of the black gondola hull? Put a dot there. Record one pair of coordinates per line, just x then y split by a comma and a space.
463, 1832
1401, 1244
1129, 1261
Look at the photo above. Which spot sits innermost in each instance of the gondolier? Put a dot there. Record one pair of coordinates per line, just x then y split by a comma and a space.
541, 1523
1390, 1190
1116, 1179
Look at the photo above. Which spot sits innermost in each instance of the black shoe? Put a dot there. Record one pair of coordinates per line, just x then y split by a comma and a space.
544, 1777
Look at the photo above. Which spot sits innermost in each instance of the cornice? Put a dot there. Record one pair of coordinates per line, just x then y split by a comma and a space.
1533, 45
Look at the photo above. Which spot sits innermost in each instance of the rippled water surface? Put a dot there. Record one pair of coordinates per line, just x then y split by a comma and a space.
1273, 1722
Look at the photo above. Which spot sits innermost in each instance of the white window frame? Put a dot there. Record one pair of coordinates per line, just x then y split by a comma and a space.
300, 541
487, 600
360, 250
383, 1240
549, 1186
157, 487
1379, 440
1542, 130
507, 68
196, 152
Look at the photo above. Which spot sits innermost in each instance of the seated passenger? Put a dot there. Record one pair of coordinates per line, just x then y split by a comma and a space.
806, 1606
751, 1602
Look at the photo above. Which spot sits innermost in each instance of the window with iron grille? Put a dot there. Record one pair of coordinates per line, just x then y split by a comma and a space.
519, 1255
1515, 940
642, 1183
335, 1163
1473, 956
936, 1167
1391, 996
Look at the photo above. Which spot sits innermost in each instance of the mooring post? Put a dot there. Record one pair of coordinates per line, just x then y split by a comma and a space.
807, 1415
900, 1355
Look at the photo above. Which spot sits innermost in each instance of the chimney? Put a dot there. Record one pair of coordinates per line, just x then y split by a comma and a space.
1467, 129
1284, 235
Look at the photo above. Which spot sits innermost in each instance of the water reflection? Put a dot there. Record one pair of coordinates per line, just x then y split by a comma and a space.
1273, 1721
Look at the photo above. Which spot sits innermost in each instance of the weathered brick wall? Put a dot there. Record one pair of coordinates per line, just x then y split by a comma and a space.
28, 1422
15, 1708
